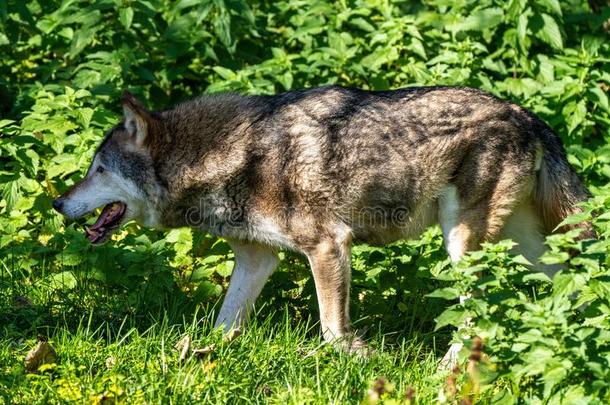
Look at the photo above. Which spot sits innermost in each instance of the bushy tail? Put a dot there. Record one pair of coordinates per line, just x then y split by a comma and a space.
558, 187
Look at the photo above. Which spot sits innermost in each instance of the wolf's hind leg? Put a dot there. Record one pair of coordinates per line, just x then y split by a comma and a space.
254, 265
525, 227
456, 235
330, 264
458, 238
479, 216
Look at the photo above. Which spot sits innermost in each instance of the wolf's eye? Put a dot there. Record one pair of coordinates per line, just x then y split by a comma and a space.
100, 169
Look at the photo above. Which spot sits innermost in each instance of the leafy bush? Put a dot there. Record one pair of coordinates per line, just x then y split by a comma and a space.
65, 64
546, 339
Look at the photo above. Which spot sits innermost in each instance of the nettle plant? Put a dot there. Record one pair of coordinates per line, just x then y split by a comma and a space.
545, 340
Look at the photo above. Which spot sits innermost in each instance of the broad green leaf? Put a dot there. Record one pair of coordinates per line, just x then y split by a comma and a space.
551, 5
62, 280
126, 17
225, 268
480, 20
225, 73
451, 316
600, 97
447, 293
551, 257
4, 123
575, 219
549, 31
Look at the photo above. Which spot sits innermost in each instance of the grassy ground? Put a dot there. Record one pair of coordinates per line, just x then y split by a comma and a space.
108, 350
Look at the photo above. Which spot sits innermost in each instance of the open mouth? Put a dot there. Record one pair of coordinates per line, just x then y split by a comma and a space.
108, 221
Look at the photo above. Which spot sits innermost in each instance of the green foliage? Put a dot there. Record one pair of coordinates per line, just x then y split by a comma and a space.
65, 64
546, 339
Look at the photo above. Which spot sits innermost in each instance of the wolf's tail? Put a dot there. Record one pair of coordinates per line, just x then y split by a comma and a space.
558, 187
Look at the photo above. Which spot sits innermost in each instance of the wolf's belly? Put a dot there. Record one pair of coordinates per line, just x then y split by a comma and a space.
381, 226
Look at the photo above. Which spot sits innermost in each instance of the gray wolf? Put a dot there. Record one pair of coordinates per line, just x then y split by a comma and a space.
316, 170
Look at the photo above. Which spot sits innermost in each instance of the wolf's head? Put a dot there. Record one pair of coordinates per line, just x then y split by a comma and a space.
121, 177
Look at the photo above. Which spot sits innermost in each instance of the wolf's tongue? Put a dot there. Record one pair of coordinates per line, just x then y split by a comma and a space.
110, 213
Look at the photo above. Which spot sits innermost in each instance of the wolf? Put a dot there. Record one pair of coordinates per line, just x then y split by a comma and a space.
319, 169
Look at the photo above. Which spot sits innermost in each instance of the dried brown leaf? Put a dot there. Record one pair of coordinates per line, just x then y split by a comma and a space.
42, 353
205, 351
183, 346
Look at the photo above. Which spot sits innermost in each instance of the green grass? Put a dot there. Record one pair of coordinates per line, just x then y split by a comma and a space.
108, 350
69, 61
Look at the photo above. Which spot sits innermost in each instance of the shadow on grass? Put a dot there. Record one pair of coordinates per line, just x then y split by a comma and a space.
110, 285
138, 289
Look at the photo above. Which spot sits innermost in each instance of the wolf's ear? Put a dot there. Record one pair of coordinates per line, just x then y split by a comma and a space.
138, 120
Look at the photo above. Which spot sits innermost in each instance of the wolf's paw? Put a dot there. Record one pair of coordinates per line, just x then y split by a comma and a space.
185, 349
352, 344
231, 335
184, 345
450, 359
359, 348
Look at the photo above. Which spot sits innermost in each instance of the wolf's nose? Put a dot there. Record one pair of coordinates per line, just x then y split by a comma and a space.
57, 204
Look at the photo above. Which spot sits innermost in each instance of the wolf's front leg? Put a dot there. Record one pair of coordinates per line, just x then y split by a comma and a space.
330, 265
254, 265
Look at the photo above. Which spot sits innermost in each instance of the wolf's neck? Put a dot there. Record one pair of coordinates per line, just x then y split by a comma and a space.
211, 148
